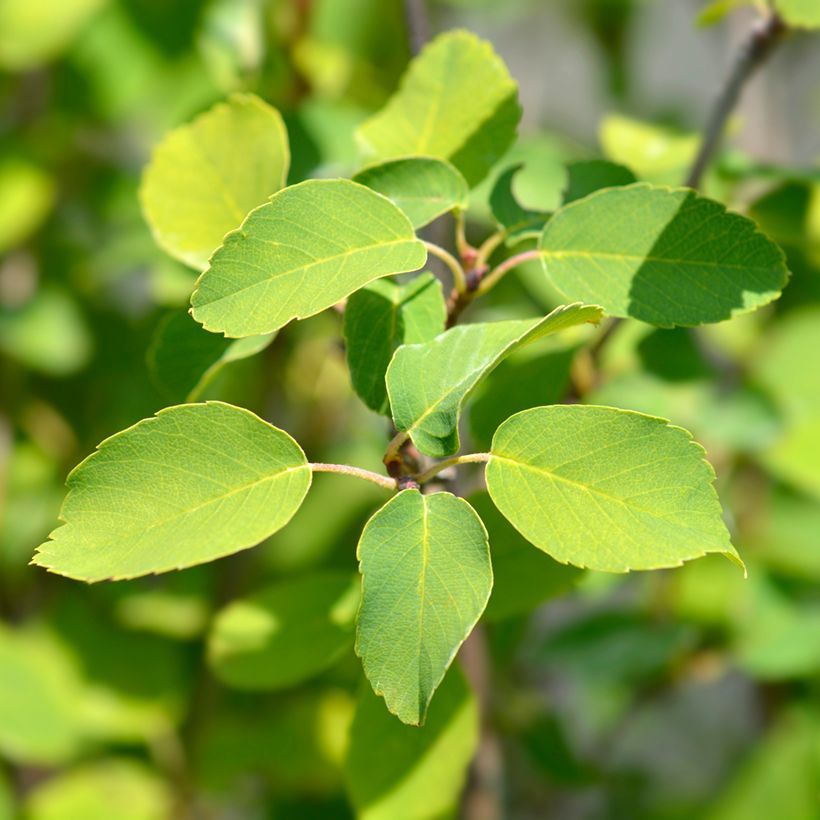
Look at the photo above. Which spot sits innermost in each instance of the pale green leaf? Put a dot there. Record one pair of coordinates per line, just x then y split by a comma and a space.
456, 102
39, 723
800, 13
396, 772
206, 176
508, 212
27, 194
184, 358
656, 153
426, 578
666, 257
523, 577
607, 489
308, 248
194, 483
423, 187
379, 318
35, 31
587, 176
428, 383
102, 790
795, 457
286, 633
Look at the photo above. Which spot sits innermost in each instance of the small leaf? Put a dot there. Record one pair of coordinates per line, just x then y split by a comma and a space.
516, 220
200, 185
587, 176
800, 13
428, 383
308, 248
379, 318
607, 489
456, 102
286, 633
666, 257
523, 577
184, 358
192, 484
426, 578
394, 771
423, 187
102, 789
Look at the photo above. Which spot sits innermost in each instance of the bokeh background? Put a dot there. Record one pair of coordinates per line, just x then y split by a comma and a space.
692, 693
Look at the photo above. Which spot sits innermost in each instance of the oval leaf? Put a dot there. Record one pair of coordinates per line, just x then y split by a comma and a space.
428, 383
456, 102
394, 771
199, 184
423, 187
286, 633
666, 257
184, 359
607, 489
800, 13
308, 248
426, 578
194, 483
379, 318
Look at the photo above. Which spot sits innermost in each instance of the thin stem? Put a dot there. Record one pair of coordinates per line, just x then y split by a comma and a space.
762, 39
459, 277
393, 452
489, 245
494, 275
355, 472
432, 472
418, 24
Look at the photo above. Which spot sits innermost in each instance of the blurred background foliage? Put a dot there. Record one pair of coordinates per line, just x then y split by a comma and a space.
675, 694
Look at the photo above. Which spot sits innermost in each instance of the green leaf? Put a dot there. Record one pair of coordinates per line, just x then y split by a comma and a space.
523, 577
286, 633
379, 318
200, 183
27, 193
35, 31
100, 790
426, 578
194, 483
795, 457
456, 102
39, 723
607, 489
428, 383
587, 176
308, 248
423, 187
184, 359
666, 257
655, 153
396, 772
516, 220
800, 13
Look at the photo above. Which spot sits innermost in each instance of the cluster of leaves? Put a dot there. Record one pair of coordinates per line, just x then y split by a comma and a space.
604, 483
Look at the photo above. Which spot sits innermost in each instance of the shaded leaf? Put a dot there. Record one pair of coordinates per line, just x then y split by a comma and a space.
379, 318
428, 383
587, 176
200, 185
309, 247
516, 220
666, 257
286, 633
523, 577
607, 489
426, 578
184, 358
396, 772
456, 102
423, 187
194, 483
